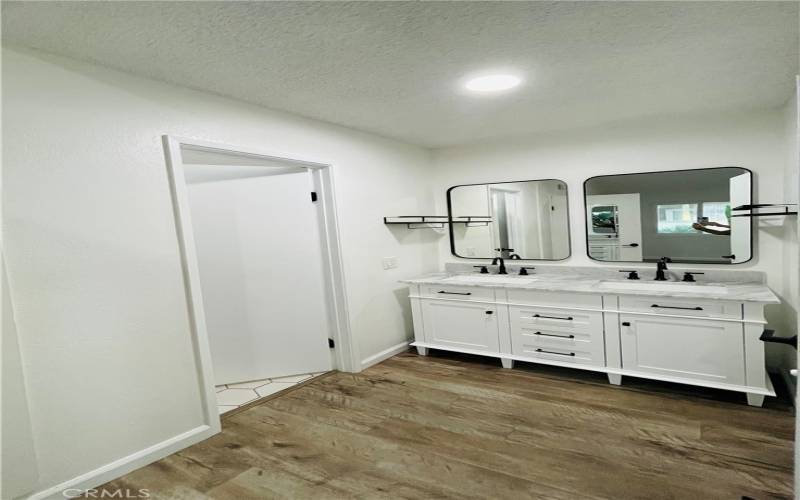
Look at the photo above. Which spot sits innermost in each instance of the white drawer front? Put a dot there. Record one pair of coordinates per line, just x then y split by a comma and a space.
558, 335
458, 292
555, 299
682, 307
559, 320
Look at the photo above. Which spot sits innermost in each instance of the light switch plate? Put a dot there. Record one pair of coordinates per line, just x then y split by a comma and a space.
390, 262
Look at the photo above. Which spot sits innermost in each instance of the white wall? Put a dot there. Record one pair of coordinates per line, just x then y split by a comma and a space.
754, 140
93, 256
18, 458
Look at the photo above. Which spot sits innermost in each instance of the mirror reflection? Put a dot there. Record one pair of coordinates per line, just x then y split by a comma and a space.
515, 220
685, 215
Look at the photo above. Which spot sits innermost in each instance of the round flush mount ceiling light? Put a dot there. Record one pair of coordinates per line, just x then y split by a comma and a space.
486, 84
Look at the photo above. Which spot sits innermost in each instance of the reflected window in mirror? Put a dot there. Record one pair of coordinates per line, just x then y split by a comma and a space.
685, 215
525, 220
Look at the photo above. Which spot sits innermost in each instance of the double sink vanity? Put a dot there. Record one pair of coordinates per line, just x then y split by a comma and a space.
703, 333
701, 327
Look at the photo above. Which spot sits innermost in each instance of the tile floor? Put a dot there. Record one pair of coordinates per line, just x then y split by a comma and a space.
232, 396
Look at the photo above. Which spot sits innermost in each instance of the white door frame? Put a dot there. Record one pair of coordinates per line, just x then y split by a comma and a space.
345, 354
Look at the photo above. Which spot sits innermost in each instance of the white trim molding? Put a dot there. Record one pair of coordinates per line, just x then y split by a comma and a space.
117, 468
385, 354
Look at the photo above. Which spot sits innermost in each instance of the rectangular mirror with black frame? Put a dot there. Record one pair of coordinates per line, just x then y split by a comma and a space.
684, 215
528, 220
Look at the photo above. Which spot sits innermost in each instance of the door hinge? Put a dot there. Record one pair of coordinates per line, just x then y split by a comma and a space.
331, 343
313, 196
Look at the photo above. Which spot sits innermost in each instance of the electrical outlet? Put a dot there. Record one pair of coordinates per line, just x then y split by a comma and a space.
390, 262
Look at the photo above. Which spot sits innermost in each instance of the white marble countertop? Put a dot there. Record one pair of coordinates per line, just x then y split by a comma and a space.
580, 283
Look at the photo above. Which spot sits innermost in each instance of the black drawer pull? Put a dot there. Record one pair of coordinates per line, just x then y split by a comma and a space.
698, 308
455, 293
554, 352
626, 323
568, 318
552, 335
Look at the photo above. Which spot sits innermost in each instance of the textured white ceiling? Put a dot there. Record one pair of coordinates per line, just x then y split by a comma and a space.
393, 68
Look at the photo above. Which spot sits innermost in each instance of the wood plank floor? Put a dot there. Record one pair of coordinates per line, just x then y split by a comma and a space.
450, 426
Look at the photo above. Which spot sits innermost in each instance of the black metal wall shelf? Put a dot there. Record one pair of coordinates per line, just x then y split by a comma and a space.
759, 206
473, 220
436, 221
418, 221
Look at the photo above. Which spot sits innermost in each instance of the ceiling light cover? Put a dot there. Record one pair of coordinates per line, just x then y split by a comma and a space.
493, 83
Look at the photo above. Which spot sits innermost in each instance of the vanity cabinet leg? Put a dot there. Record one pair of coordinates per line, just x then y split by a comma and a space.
755, 399
422, 351
615, 379
507, 363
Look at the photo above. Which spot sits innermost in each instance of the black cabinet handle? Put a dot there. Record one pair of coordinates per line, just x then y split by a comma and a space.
626, 323
489, 312
455, 293
554, 352
569, 318
553, 335
698, 308
632, 245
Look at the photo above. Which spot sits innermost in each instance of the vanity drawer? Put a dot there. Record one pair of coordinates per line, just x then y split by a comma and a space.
671, 306
578, 348
445, 291
556, 299
556, 320
562, 335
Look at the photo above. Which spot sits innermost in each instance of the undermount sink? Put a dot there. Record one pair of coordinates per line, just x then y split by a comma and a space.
662, 286
492, 278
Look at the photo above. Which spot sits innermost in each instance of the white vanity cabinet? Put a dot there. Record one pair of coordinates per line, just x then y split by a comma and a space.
705, 342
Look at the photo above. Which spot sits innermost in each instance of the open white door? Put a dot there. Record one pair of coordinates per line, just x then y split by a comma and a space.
260, 261
740, 226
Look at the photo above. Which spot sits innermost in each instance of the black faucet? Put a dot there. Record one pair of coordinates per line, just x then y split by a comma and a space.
661, 266
502, 269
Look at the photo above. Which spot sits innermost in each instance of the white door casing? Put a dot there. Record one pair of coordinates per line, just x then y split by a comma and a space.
346, 352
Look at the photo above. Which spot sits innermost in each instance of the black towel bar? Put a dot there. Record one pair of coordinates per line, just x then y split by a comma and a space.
769, 336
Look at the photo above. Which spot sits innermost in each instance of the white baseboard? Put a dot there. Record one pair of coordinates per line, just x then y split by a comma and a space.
117, 468
385, 354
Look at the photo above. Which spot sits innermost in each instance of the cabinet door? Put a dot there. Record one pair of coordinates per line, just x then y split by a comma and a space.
683, 348
461, 325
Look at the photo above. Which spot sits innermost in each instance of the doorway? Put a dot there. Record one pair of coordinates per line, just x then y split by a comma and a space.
262, 269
